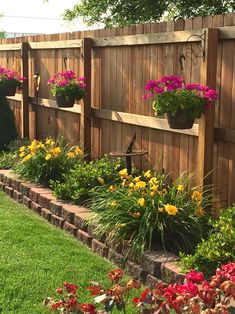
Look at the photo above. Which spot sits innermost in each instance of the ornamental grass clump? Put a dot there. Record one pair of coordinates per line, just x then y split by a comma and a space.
43, 161
146, 212
171, 95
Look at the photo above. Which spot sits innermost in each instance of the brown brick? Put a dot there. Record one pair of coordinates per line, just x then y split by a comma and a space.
17, 196
69, 211
115, 257
2, 186
45, 199
36, 191
26, 201
56, 207
151, 281
46, 213
171, 273
99, 248
135, 271
3, 172
25, 187
80, 220
9, 191
91, 229
15, 184
84, 237
151, 261
36, 207
7, 180
57, 221
70, 228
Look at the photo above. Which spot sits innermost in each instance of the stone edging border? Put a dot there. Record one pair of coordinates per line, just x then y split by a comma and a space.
154, 266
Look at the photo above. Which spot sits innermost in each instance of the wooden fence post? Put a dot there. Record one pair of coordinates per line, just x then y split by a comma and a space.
85, 124
25, 89
206, 123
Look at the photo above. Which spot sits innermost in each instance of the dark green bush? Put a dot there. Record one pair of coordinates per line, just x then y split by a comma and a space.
218, 249
8, 131
84, 177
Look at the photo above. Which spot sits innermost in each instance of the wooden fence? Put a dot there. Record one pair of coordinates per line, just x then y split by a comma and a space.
117, 63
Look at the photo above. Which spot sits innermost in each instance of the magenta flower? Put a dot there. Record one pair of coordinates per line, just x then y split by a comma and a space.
195, 277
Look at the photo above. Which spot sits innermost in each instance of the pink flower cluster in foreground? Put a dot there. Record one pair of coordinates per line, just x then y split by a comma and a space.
63, 79
6, 74
173, 82
195, 296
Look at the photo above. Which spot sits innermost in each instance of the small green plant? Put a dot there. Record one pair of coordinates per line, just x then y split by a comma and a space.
80, 180
8, 131
147, 212
43, 161
219, 248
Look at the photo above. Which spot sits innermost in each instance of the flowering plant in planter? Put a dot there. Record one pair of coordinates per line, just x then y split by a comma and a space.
172, 96
9, 81
67, 87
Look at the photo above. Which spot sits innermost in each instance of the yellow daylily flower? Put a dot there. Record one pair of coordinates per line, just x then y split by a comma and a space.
171, 209
141, 202
197, 196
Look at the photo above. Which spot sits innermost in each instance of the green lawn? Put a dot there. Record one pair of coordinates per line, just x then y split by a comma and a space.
36, 258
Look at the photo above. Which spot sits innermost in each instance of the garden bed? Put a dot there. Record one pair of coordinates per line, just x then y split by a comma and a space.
153, 266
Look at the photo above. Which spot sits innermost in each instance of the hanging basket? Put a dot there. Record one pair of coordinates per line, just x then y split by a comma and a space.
180, 120
8, 89
64, 101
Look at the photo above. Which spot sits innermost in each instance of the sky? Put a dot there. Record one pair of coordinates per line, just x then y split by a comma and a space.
37, 16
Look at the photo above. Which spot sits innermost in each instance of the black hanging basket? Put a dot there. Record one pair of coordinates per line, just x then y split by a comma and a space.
8, 89
180, 120
64, 101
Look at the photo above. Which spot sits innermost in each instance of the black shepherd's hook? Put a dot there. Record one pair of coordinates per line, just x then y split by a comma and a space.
181, 58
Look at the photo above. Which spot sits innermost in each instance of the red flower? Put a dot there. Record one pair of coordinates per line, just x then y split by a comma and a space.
116, 274
196, 277
71, 304
88, 308
94, 290
70, 287
59, 290
207, 292
56, 306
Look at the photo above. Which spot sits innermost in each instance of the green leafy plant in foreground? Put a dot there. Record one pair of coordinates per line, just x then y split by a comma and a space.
43, 161
219, 248
80, 180
147, 212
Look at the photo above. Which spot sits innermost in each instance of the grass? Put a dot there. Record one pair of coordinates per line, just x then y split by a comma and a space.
36, 258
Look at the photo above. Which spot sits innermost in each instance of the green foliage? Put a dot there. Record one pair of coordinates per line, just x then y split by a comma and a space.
79, 181
149, 213
183, 100
8, 131
10, 156
122, 12
48, 160
219, 248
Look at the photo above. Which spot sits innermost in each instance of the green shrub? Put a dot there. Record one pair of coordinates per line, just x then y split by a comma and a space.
10, 156
8, 131
84, 177
147, 212
218, 249
48, 160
